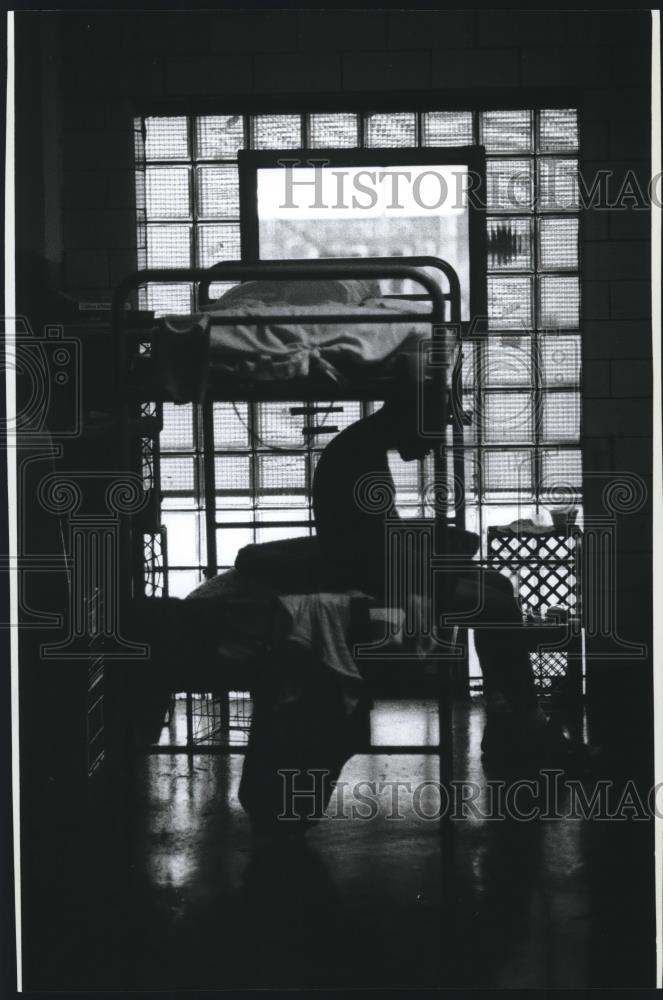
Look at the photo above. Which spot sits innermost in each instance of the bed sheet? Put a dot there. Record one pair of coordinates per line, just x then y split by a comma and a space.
317, 621
188, 349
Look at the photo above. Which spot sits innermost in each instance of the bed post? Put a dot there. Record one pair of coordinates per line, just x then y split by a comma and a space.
209, 473
445, 335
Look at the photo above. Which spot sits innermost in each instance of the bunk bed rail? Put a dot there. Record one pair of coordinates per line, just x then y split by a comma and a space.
445, 321
407, 268
415, 269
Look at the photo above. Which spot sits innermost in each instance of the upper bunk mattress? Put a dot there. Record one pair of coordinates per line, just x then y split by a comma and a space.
190, 348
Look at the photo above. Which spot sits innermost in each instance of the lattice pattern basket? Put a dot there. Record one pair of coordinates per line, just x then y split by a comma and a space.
545, 570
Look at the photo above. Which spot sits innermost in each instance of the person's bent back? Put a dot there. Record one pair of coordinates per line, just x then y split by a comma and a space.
352, 537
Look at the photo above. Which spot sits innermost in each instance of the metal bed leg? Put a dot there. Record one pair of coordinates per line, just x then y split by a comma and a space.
447, 828
189, 722
224, 714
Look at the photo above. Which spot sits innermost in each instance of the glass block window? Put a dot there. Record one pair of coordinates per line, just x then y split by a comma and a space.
506, 131
264, 462
218, 137
558, 243
522, 384
333, 131
447, 128
510, 244
510, 303
509, 185
558, 130
526, 392
391, 130
276, 131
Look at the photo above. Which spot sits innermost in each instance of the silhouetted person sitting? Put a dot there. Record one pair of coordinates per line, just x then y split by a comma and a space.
352, 540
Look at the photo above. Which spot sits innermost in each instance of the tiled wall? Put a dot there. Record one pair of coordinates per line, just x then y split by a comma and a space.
106, 62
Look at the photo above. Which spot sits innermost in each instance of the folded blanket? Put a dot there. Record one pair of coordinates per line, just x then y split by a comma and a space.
186, 346
321, 624
317, 622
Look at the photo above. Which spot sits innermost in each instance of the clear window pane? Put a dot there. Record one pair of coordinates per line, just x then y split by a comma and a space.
506, 131
182, 582
447, 128
219, 137
270, 511
178, 503
182, 536
399, 129
333, 131
167, 193
236, 504
295, 505
229, 541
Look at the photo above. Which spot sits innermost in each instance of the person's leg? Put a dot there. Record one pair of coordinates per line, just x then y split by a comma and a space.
516, 725
499, 639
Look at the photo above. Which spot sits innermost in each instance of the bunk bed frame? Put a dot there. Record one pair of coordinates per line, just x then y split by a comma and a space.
445, 323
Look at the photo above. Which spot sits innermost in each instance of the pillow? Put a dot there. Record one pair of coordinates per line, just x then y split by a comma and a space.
301, 292
349, 291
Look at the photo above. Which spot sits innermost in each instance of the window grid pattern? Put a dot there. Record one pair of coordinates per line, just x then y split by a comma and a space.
522, 383
264, 464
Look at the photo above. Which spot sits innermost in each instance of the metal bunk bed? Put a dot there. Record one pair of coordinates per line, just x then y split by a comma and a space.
445, 323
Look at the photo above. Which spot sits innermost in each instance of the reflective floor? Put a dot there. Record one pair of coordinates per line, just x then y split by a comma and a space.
379, 893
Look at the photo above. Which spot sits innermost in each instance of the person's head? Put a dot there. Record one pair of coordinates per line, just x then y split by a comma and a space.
411, 413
